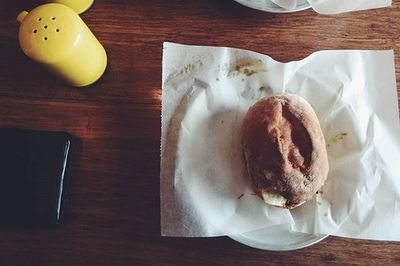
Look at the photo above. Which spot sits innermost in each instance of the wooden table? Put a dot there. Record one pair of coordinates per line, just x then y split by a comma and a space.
112, 196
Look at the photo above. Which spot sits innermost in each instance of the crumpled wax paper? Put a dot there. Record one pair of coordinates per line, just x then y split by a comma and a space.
326, 6
206, 91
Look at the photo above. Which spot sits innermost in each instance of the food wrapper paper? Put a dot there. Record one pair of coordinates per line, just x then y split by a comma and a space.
205, 190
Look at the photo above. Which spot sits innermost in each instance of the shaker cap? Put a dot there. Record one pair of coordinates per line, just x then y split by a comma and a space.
50, 32
79, 6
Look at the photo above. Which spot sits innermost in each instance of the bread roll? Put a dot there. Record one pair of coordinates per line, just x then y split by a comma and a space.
284, 149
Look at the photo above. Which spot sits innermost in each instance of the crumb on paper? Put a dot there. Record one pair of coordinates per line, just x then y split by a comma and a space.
319, 203
264, 88
222, 121
335, 139
247, 68
320, 192
217, 79
241, 196
325, 214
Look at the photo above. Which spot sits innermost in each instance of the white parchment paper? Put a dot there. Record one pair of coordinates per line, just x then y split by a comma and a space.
206, 92
323, 6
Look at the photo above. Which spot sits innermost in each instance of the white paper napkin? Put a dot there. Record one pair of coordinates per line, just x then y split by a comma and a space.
206, 92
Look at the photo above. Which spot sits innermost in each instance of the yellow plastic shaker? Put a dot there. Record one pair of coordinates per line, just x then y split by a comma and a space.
79, 6
55, 36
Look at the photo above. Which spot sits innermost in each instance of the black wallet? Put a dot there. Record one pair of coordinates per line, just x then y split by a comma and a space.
32, 171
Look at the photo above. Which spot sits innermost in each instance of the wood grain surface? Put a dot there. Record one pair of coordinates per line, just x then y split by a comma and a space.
112, 196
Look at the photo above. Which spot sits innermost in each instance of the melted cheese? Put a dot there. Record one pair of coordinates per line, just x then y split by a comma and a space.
274, 199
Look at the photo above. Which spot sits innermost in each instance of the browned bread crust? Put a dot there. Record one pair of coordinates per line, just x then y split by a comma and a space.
284, 149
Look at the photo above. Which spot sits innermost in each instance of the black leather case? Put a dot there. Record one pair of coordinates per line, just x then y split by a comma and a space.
32, 171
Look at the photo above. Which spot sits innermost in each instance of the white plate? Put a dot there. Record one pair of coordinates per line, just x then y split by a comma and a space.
278, 238
203, 117
268, 6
